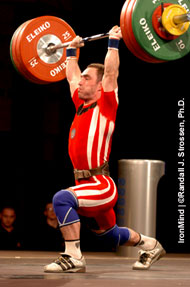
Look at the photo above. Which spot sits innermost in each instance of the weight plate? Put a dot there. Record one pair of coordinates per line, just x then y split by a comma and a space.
23, 69
15, 57
13, 51
125, 28
125, 23
142, 53
122, 23
32, 41
127, 32
149, 40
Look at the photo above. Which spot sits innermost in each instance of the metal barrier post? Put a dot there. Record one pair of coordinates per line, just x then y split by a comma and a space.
137, 188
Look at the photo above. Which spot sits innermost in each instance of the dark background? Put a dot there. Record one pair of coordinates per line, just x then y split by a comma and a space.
35, 119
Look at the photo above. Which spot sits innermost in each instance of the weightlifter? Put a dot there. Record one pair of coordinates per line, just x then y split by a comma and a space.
95, 96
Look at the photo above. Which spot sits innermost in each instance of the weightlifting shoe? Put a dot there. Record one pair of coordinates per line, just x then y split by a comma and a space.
66, 264
147, 258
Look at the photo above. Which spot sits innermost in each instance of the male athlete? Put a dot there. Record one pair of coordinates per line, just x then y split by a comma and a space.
94, 93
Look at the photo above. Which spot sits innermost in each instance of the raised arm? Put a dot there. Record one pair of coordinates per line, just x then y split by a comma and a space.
112, 61
73, 72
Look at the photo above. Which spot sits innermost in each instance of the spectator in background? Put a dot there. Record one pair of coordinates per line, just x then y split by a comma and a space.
9, 235
50, 235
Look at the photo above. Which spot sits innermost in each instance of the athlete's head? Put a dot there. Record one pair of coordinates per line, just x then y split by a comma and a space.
91, 83
99, 70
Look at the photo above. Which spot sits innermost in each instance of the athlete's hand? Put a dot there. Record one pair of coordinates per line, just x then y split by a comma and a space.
115, 33
76, 42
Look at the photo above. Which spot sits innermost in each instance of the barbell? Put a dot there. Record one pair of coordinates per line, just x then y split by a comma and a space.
154, 32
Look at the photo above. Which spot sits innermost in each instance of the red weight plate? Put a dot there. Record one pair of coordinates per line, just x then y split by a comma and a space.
141, 52
125, 25
157, 24
125, 29
15, 54
122, 25
25, 71
34, 38
13, 50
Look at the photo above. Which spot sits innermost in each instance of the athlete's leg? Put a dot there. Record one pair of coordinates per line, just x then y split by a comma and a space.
96, 197
109, 233
65, 205
86, 198
113, 234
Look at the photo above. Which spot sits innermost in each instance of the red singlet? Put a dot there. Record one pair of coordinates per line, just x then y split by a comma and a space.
91, 131
90, 141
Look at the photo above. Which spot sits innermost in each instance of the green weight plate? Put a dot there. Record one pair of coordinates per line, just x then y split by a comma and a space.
148, 38
127, 32
139, 52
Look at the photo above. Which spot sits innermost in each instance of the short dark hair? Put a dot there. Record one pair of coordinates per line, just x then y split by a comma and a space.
100, 70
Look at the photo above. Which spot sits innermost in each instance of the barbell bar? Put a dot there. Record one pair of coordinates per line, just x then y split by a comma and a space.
52, 48
179, 19
37, 46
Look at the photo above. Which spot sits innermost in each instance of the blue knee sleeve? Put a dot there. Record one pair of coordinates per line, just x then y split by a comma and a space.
65, 204
115, 236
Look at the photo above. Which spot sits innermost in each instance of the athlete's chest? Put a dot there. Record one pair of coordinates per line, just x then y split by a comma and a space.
85, 123
86, 118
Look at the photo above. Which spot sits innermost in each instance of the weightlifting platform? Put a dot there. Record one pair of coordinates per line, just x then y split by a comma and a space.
25, 269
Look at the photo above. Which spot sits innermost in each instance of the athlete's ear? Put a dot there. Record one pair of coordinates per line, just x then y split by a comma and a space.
99, 86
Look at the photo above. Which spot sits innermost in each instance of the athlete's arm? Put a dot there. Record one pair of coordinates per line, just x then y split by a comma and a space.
73, 72
111, 63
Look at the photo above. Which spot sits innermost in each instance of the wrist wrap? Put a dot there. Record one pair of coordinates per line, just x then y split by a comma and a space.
113, 44
71, 52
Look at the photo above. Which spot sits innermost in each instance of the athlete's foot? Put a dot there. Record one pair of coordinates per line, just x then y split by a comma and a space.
67, 264
147, 258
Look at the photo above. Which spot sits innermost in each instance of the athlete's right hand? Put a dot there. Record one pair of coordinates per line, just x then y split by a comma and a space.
76, 42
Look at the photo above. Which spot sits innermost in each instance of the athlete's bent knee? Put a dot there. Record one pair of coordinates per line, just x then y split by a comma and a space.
65, 205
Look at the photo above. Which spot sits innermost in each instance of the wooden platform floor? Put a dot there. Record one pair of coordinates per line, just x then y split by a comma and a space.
25, 269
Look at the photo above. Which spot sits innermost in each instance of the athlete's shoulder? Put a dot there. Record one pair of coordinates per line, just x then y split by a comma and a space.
110, 97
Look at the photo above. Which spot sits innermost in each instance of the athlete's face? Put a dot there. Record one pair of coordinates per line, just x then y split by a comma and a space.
88, 85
